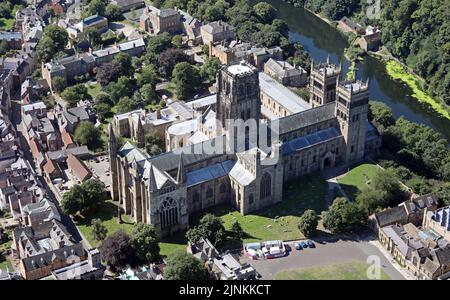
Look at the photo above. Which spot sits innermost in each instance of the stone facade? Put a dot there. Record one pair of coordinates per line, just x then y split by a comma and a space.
166, 189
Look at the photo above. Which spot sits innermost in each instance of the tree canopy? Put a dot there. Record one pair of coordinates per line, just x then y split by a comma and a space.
83, 197
87, 134
145, 243
210, 227
54, 40
184, 266
117, 251
186, 79
308, 223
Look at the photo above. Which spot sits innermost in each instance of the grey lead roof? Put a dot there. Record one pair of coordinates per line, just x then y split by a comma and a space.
209, 173
309, 140
306, 118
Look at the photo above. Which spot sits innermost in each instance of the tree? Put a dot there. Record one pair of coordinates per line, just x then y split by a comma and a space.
385, 181
145, 242
184, 266
120, 89
148, 75
113, 12
308, 223
4, 47
126, 66
186, 79
87, 134
237, 230
117, 251
83, 197
265, 12
169, 58
210, 227
102, 110
54, 40
344, 216
159, 43
371, 200
147, 92
75, 93
99, 231
177, 41
125, 104
58, 84
92, 36
154, 145
380, 114
96, 7
108, 72
210, 68
70, 203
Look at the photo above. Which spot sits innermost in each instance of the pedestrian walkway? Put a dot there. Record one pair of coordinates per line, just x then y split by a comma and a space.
393, 262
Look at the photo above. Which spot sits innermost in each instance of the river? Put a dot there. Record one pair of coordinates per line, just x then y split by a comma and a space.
321, 40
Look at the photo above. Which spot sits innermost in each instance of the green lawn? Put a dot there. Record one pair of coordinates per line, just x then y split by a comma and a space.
94, 89
108, 214
6, 24
357, 178
277, 222
356, 270
5, 263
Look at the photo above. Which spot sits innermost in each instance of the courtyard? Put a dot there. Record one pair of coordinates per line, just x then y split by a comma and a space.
357, 178
333, 258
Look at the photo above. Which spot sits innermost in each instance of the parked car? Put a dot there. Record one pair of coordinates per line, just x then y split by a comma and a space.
311, 244
303, 244
298, 246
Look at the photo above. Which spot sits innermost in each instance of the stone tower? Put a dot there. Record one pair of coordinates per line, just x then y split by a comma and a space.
238, 106
351, 112
323, 80
113, 162
140, 135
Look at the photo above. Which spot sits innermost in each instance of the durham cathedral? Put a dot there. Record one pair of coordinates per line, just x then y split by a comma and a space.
298, 138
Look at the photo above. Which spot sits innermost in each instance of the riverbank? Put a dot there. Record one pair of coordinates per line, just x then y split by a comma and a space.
397, 72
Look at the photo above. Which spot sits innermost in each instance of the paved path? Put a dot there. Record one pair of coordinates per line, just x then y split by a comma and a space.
327, 251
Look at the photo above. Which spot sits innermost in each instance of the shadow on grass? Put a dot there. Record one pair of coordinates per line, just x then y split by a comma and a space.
351, 191
105, 212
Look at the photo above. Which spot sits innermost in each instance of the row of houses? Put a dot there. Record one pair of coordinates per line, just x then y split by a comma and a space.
417, 235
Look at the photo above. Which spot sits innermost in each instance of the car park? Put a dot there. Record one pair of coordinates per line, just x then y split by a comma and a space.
303, 244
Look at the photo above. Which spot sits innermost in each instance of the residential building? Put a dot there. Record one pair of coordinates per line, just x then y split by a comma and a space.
347, 25
78, 168
157, 20
285, 73
13, 39
216, 31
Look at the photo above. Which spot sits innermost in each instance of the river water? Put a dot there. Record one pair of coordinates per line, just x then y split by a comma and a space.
321, 40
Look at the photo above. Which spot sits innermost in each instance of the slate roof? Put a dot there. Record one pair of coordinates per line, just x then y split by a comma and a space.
76, 114
217, 27
309, 140
391, 215
306, 118
209, 173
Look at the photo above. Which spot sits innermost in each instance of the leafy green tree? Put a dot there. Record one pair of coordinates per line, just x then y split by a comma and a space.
344, 216
159, 43
169, 58
210, 227
126, 66
265, 12
58, 84
177, 41
148, 93
238, 232
54, 40
210, 68
92, 36
186, 79
308, 223
102, 110
122, 88
70, 203
372, 200
145, 242
386, 181
125, 104
83, 197
148, 75
108, 72
4, 47
117, 251
75, 93
154, 145
87, 134
184, 266
380, 114
113, 12
99, 231
96, 7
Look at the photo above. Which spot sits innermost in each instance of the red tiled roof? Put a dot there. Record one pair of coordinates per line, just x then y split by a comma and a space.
35, 147
50, 167
67, 139
78, 167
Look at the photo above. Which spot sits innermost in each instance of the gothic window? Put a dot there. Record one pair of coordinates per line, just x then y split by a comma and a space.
209, 192
247, 138
314, 158
352, 149
242, 115
223, 188
168, 213
337, 150
241, 91
266, 186
249, 89
248, 113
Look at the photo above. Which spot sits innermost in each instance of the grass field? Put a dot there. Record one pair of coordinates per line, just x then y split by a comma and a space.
5, 263
396, 71
94, 89
356, 270
357, 178
108, 215
277, 222
6, 24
